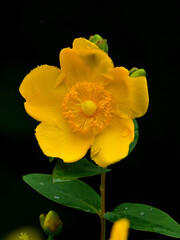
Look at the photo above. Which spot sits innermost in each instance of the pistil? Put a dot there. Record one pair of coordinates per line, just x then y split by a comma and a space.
89, 107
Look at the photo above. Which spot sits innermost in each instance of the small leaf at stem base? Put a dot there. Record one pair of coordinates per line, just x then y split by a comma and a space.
79, 169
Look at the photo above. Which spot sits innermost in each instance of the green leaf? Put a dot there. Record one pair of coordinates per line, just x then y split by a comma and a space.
145, 218
51, 159
136, 136
79, 169
75, 194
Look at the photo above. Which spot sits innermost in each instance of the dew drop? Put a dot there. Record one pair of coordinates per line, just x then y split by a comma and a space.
154, 228
142, 213
125, 133
56, 197
126, 208
150, 209
41, 183
88, 210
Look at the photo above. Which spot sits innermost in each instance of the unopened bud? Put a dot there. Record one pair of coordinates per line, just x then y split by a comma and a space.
51, 223
135, 72
99, 41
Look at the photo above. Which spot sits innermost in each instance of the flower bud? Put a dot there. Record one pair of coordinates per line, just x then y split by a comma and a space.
51, 223
99, 41
135, 72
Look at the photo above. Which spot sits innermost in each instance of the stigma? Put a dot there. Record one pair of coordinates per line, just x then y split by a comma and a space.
89, 107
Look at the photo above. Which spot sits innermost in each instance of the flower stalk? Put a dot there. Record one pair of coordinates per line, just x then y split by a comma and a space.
103, 221
50, 237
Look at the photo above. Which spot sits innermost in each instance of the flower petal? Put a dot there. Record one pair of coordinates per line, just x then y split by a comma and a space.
43, 88
120, 230
62, 142
112, 144
84, 44
130, 94
84, 61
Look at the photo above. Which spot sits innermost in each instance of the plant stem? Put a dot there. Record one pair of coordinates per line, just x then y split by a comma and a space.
50, 237
102, 189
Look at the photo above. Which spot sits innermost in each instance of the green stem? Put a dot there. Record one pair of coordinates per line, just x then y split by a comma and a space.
50, 237
103, 223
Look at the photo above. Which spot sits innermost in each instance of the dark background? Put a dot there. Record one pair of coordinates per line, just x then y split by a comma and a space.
142, 34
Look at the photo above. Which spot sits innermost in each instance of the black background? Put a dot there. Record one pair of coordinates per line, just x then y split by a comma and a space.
142, 34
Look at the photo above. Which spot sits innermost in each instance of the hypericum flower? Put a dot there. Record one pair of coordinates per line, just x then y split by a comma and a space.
120, 230
88, 103
24, 236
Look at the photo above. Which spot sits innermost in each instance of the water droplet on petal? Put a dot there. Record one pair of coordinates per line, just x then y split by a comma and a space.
125, 133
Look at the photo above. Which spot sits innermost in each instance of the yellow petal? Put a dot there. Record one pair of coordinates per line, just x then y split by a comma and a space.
84, 44
42, 113
84, 62
73, 67
130, 94
62, 142
43, 89
120, 230
112, 144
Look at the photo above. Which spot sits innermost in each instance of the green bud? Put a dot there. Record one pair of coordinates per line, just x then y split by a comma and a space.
99, 41
51, 223
132, 70
135, 72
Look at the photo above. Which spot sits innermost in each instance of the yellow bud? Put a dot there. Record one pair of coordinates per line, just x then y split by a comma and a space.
51, 223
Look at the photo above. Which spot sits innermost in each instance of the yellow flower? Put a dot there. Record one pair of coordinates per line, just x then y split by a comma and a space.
87, 103
24, 233
24, 236
120, 230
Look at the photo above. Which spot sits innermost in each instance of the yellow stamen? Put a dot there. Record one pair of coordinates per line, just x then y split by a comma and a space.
89, 107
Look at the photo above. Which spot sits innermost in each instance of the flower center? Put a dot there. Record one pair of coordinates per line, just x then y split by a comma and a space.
88, 107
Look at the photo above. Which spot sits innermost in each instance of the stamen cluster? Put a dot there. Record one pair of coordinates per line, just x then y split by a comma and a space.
73, 107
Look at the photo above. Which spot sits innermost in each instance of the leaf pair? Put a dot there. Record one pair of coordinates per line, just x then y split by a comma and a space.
78, 195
